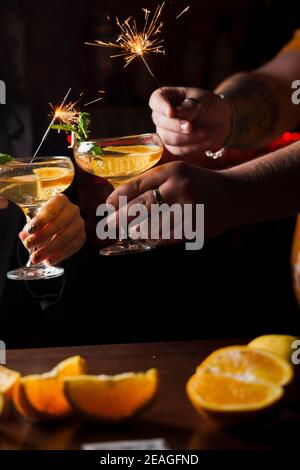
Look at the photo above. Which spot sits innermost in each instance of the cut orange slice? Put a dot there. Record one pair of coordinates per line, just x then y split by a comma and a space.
41, 396
111, 398
51, 172
238, 380
8, 380
249, 364
132, 149
219, 392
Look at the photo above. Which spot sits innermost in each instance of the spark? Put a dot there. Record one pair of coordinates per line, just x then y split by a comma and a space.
66, 113
183, 11
134, 43
96, 100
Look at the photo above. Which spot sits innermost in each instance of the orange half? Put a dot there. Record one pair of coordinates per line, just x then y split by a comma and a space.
249, 363
238, 379
218, 392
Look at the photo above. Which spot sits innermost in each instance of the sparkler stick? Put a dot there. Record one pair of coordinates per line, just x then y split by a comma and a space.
96, 100
51, 124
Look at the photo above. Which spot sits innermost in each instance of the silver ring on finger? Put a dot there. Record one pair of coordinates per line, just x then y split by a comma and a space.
158, 197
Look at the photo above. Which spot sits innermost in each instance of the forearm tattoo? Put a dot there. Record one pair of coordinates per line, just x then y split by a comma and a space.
257, 110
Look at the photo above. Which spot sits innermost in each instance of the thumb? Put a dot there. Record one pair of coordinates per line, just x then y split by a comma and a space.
188, 109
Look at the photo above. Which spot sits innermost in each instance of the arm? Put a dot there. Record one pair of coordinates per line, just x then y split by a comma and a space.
263, 104
265, 188
262, 100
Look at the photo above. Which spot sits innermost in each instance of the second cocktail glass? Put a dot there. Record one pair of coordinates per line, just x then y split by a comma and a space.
120, 160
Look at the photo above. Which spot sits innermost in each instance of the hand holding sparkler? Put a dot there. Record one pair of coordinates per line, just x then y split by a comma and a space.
192, 121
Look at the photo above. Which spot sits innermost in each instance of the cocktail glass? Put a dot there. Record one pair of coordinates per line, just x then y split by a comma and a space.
30, 185
119, 160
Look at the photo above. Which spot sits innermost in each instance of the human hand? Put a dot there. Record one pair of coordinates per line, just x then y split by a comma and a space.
56, 233
180, 183
190, 121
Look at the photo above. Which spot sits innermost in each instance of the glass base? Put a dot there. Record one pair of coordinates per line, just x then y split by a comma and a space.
35, 273
125, 247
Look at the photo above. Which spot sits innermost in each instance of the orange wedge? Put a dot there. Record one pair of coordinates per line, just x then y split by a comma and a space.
3, 406
111, 398
51, 173
42, 397
238, 380
8, 380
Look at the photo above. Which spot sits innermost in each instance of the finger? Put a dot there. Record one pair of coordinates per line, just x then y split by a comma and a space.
3, 203
174, 125
146, 199
181, 151
59, 244
153, 230
164, 100
182, 140
49, 212
152, 179
73, 247
69, 214
159, 103
188, 110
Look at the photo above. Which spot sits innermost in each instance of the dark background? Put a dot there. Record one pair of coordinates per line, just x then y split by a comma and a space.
239, 284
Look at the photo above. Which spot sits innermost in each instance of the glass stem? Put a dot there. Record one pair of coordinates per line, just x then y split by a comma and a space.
30, 213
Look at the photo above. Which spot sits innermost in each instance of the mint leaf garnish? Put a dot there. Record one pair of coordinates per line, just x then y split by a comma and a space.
96, 150
84, 122
5, 158
80, 129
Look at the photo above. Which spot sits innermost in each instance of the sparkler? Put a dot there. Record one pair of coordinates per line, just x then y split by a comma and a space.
49, 127
183, 12
66, 114
71, 119
134, 43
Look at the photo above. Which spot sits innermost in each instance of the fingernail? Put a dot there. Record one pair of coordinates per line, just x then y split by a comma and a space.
31, 229
190, 103
29, 242
185, 126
